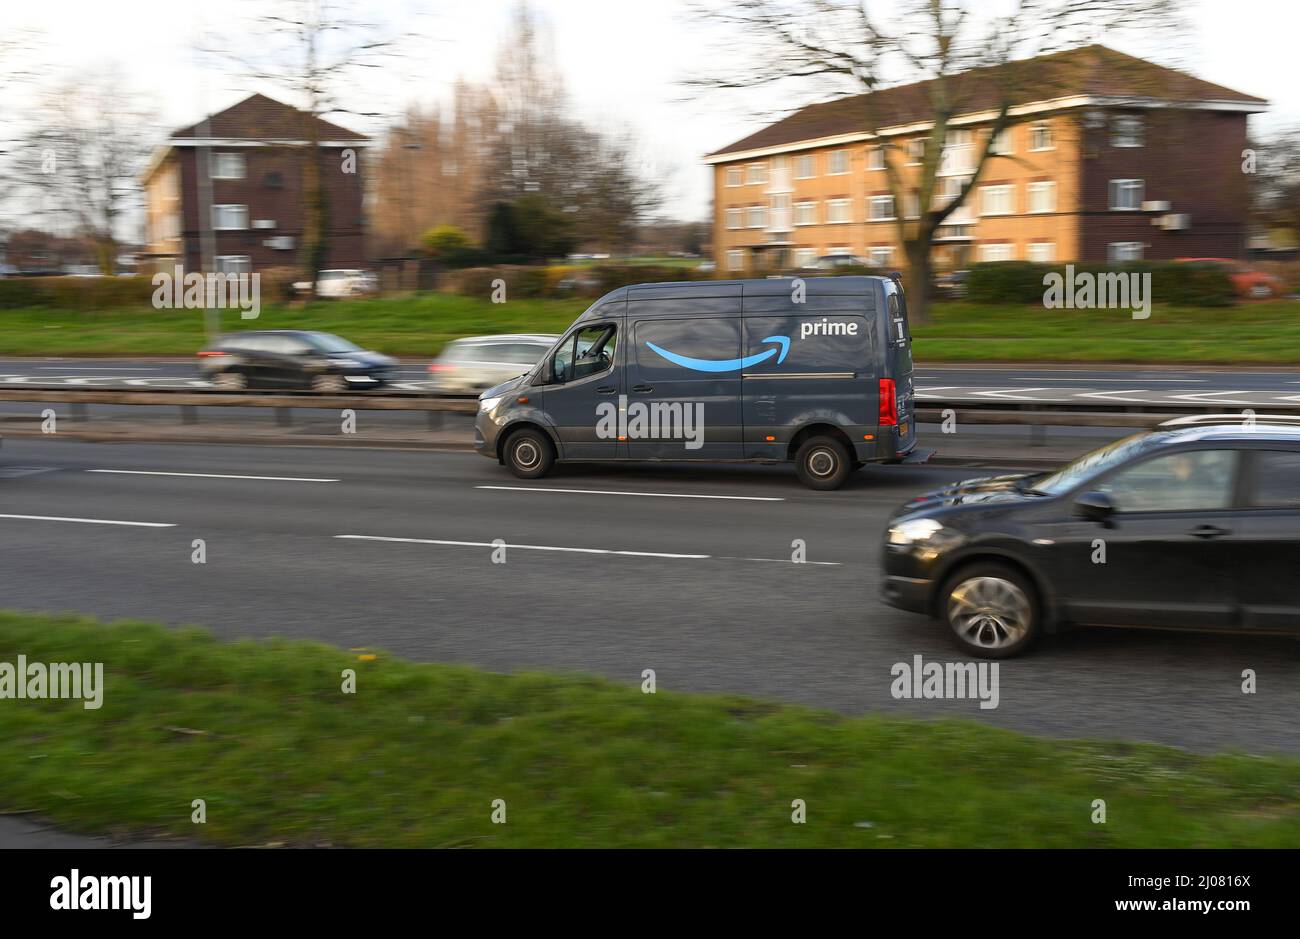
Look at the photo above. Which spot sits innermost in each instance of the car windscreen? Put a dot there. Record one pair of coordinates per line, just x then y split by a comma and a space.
326, 342
1097, 462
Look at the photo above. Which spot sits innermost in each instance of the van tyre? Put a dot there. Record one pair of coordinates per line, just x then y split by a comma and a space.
823, 463
991, 609
529, 454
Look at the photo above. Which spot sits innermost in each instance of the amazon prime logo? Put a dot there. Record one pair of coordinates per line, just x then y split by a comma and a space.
651, 420
781, 349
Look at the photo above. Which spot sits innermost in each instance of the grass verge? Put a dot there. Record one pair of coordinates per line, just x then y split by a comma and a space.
262, 733
1257, 333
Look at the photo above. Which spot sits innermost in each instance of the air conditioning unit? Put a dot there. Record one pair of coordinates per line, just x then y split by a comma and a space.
264, 223
1177, 222
280, 242
1155, 206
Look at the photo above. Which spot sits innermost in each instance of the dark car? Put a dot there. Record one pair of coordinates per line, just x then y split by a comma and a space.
289, 358
1195, 525
951, 286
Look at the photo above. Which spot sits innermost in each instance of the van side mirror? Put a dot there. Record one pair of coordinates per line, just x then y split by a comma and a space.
1094, 506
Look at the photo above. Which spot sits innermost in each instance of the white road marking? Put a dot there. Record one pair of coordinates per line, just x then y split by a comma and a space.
92, 368
1202, 395
783, 561
279, 479
1107, 395
524, 547
1125, 381
611, 492
90, 521
1008, 395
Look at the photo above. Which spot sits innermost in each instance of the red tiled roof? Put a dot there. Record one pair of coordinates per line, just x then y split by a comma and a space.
261, 118
1089, 70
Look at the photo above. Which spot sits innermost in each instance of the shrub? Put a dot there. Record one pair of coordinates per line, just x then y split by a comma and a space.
1206, 285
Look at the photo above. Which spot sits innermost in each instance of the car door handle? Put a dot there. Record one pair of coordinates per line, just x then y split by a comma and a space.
1209, 531
643, 389
606, 390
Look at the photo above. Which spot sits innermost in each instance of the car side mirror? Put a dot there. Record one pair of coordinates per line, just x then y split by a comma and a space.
1094, 506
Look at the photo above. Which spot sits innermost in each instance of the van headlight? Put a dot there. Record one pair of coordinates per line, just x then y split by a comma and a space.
490, 404
913, 531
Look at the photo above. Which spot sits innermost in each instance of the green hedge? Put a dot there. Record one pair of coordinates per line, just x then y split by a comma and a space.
75, 293
1205, 285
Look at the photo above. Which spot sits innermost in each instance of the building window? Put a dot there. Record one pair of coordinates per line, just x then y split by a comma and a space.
733, 219
996, 200
881, 256
911, 204
757, 216
1042, 197
1040, 136
227, 166
999, 251
876, 158
1126, 194
1002, 145
838, 162
781, 212
805, 213
756, 174
234, 264
839, 211
804, 257
1127, 131
881, 208
805, 166
229, 217
916, 150
840, 251
1041, 252
734, 177
1120, 251
735, 260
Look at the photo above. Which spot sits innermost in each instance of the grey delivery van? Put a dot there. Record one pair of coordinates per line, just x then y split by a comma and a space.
817, 371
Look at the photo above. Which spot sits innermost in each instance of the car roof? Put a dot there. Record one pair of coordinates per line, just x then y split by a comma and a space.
540, 338
1234, 432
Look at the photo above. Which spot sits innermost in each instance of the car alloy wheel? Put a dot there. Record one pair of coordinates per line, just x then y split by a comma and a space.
328, 384
231, 381
990, 612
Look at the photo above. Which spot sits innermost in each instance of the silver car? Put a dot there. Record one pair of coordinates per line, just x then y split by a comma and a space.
468, 366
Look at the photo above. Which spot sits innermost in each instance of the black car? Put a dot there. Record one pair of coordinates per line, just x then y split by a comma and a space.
1192, 526
290, 358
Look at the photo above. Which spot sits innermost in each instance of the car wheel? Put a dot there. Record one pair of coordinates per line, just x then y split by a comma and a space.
231, 381
992, 610
822, 463
328, 384
529, 454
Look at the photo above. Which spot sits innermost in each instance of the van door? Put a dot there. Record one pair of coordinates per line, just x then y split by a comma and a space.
683, 381
582, 400
898, 368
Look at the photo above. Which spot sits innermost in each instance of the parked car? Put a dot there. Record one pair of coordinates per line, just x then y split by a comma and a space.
952, 285
290, 358
338, 284
468, 366
831, 262
718, 371
1195, 525
1249, 283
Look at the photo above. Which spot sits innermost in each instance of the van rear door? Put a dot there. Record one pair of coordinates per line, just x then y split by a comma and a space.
898, 369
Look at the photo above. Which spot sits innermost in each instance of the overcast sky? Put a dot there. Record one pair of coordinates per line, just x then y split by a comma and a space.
623, 61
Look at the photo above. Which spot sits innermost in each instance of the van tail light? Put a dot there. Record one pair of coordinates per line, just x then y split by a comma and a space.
888, 403
439, 367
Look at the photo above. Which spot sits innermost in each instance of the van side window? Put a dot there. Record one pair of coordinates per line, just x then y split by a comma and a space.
589, 351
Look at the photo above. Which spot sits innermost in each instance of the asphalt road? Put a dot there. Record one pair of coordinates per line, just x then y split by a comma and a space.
1119, 385
699, 585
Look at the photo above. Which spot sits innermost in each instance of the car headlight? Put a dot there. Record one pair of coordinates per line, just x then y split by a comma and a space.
490, 404
913, 531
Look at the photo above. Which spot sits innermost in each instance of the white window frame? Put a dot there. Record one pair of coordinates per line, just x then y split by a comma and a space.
218, 172
758, 212
1128, 131
242, 264
834, 157
1003, 144
874, 253
1035, 189
837, 207
876, 158
756, 174
1117, 252
911, 204
1041, 252
735, 177
803, 257
1117, 191
735, 260
1001, 191
873, 203
805, 213
1041, 127
734, 218
217, 211
999, 248
916, 150
808, 160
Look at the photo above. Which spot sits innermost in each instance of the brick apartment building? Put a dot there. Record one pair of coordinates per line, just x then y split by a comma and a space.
1110, 157
254, 154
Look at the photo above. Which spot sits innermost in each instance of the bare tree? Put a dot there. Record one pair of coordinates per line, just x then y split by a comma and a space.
969, 61
1274, 175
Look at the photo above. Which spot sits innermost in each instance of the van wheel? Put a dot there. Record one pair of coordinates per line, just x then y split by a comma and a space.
992, 610
822, 463
528, 453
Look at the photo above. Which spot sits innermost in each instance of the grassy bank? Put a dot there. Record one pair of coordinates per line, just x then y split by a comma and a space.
1258, 333
416, 757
